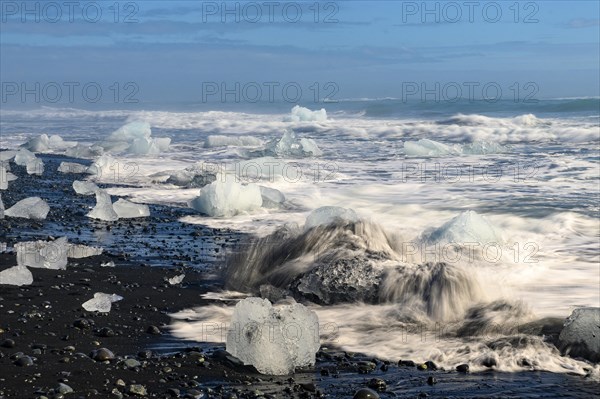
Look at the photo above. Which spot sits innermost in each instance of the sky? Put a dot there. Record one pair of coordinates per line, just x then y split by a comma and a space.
197, 51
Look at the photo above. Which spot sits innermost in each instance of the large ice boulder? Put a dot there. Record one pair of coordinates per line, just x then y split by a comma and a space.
84, 187
302, 114
329, 214
227, 198
43, 254
135, 137
79, 251
104, 208
468, 227
17, 275
23, 156
29, 208
43, 143
84, 151
127, 210
429, 148
274, 339
580, 336
289, 145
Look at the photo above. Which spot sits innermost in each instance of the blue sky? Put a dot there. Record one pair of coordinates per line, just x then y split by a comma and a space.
170, 50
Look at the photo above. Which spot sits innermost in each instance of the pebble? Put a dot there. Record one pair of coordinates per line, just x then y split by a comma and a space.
106, 332
153, 330
365, 393
102, 354
132, 363
377, 384
462, 368
8, 343
64, 388
137, 389
431, 380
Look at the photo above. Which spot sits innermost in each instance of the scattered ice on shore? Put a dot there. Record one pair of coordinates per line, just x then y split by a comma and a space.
43, 143
17, 275
110, 263
271, 198
275, 340
23, 156
35, 167
104, 208
29, 208
43, 254
176, 280
290, 145
468, 227
580, 336
126, 209
78, 251
84, 187
301, 114
328, 214
72, 167
101, 302
227, 198
237, 141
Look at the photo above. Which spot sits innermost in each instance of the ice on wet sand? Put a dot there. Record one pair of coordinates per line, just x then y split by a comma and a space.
17, 275
176, 280
84, 187
43, 143
23, 156
35, 167
72, 167
29, 208
104, 209
126, 209
580, 336
227, 198
274, 339
328, 214
78, 251
43, 254
101, 302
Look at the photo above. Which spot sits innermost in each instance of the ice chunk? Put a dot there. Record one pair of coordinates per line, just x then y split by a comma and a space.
23, 156
5, 177
17, 275
1, 208
101, 302
43, 143
468, 227
72, 167
328, 214
84, 187
227, 198
275, 340
104, 209
126, 209
29, 208
7, 155
429, 148
135, 137
290, 145
78, 251
176, 280
35, 167
271, 198
102, 166
84, 151
301, 114
131, 131
110, 263
580, 336
237, 141
43, 254
195, 176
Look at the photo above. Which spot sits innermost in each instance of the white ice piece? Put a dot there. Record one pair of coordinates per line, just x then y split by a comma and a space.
301, 114
43, 254
126, 209
72, 167
7, 155
290, 145
17, 275
84, 187
275, 340
227, 198
176, 280
271, 198
468, 227
29, 208
101, 302
103, 166
110, 263
24, 156
235, 141
104, 209
43, 143
35, 167
78, 251
84, 151
328, 214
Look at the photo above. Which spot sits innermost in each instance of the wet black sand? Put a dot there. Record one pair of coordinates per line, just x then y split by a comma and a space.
45, 321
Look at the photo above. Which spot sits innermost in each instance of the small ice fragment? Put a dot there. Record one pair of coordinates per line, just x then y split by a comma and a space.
78, 251
271, 197
227, 198
3, 247
328, 214
101, 302
126, 209
429, 148
195, 176
236, 141
17, 275
29, 208
43, 254
72, 167
84, 187
290, 145
84, 151
110, 263
3, 178
301, 114
176, 280
104, 208
274, 339
35, 167
103, 166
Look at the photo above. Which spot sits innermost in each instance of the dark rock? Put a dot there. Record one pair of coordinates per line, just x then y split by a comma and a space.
490, 360
308, 386
431, 380
8, 343
377, 384
431, 365
83, 324
106, 332
365, 393
102, 354
153, 330
462, 368
406, 363
24, 361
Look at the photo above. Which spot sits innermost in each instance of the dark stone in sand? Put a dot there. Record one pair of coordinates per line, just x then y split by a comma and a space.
173, 392
489, 361
153, 330
8, 343
137, 389
406, 363
431, 380
24, 361
462, 368
308, 386
377, 384
365, 393
145, 354
106, 332
83, 324
102, 354
431, 365
422, 367
366, 367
